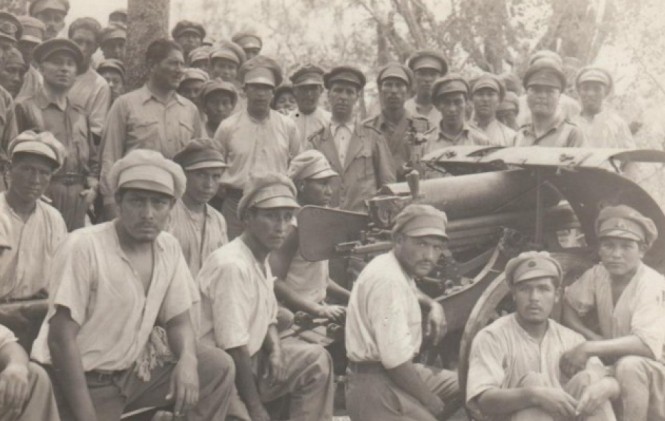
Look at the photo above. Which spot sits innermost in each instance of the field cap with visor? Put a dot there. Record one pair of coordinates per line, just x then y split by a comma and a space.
532, 265
309, 74
145, 169
397, 71
268, 191
420, 221
489, 81
200, 154
310, 165
450, 83
594, 74
346, 73
42, 144
33, 29
625, 222
428, 59
261, 70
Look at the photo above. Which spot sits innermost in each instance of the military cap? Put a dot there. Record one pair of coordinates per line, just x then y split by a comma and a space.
310, 164
489, 81
113, 31
308, 74
532, 265
547, 55
512, 82
450, 83
420, 221
37, 6
395, 70
247, 40
118, 15
5, 232
91, 24
545, 72
14, 56
42, 144
199, 54
594, 74
625, 222
349, 74
146, 169
188, 26
229, 50
112, 64
47, 48
510, 102
10, 27
192, 73
261, 70
268, 191
218, 85
428, 59
33, 29
199, 154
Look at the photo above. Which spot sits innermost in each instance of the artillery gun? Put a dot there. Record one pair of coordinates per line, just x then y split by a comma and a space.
499, 202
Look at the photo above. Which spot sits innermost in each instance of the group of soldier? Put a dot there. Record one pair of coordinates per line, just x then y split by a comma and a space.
161, 225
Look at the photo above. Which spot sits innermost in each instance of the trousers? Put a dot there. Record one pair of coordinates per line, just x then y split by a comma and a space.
41, 404
642, 383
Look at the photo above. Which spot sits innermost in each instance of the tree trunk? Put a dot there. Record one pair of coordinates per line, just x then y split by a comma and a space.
148, 20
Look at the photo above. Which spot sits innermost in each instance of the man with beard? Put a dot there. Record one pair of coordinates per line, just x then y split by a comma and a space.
32, 36
152, 117
487, 93
52, 13
239, 310
544, 81
250, 43
189, 35
427, 66
603, 128
113, 283
450, 95
254, 140
627, 298
12, 71
73, 189
403, 132
307, 89
384, 328
514, 371
199, 228
90, 92
356, 152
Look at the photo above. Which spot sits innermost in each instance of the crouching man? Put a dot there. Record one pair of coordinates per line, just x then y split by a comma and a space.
628, 299
239, 311
384, 330
514, 369
112, 283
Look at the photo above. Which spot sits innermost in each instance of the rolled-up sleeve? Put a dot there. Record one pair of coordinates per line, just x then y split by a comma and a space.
485, 365
72, 277
231, 315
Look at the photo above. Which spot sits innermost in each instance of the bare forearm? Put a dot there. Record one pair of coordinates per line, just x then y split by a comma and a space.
619, 347
244, 376
505, 401
293, 301
271, 343
425, 300
573, 321
12, 353
336, 290
181, 336
407, 379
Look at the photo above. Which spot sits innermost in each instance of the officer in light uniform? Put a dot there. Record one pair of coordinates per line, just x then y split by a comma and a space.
628, 299
514, 369
307, 88
384, 328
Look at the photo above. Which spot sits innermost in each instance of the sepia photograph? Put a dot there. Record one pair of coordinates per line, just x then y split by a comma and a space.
332, 210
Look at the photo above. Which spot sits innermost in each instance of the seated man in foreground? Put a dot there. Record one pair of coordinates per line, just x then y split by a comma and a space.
514, 369
239, 311
384, 328
113, 283
628, 298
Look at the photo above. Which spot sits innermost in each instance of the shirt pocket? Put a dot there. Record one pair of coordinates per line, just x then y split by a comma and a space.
146, 134
363, 160
186, 132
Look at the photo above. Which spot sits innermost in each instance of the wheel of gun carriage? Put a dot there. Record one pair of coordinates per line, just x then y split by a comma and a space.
496, 302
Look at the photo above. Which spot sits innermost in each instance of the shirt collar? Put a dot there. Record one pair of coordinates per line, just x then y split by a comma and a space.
44, 99
463, 133
559, 119
334, 126
147, 94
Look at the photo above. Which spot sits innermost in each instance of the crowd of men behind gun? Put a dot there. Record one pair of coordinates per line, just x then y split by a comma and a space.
160, 223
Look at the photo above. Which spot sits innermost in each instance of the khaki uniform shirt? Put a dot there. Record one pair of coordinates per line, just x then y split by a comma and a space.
606, 130
469, 136
367, 165
498, 133
433, 115
383, 319
92, 94
199, 235
68, 124
639, 311
25, 269
139, 120
561, 135
308, 124
568, 107
253, 147
238, 302
95, 280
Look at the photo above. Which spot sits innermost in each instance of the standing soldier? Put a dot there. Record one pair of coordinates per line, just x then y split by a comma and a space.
192, 83
602, 127
74, 188
427, 66
52, 13
403, 132
199, 228
356, 152
33, 35
12, 71
225, 63
112, 42
199, 58
307, 89
256, 139
90, 92
508, 110
250, 43
450, 95
487, 93
152, 117
189, 35
218, 100
384, 328
113, 71
544, 81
